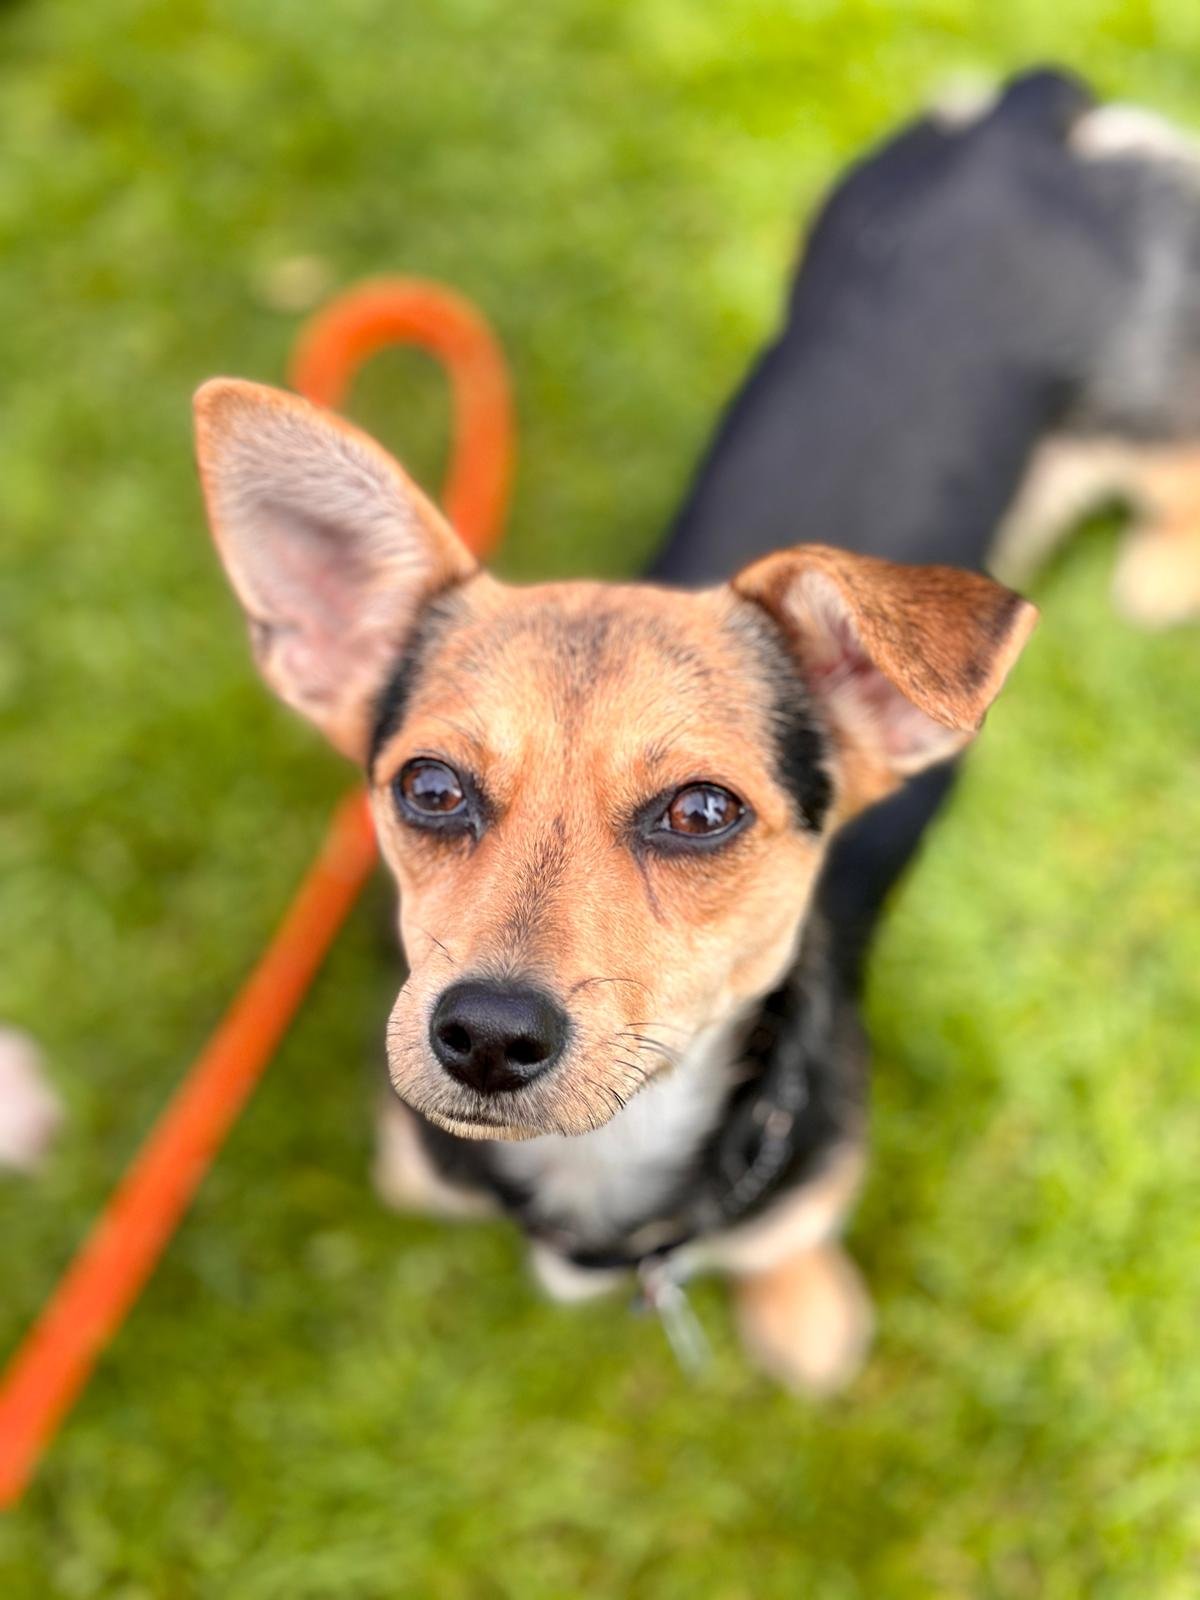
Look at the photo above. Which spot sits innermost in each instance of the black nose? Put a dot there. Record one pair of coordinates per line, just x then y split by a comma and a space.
494, 1036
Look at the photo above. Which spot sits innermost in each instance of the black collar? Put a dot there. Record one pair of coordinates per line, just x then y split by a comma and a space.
798, 1096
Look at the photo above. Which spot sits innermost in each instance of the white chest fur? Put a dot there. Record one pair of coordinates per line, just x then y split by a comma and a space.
597, 1184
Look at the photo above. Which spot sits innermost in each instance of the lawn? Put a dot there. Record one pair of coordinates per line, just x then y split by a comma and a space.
315, 1398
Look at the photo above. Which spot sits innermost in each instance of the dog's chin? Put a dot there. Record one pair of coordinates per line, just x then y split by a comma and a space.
465, 1125
565, 1104
489, 1120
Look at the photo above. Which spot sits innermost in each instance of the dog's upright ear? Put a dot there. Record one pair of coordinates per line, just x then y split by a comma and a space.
902, 662
329, 545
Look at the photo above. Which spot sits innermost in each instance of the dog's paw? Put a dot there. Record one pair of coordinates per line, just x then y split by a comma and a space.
808, 1321
561, 1280
30, 1110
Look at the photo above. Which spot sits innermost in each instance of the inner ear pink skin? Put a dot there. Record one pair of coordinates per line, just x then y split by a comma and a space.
903, 660
329, 545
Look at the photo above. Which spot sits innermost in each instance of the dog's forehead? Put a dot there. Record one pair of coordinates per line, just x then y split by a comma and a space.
590, 654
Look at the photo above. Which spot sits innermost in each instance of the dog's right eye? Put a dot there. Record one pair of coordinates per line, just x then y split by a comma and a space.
430, 793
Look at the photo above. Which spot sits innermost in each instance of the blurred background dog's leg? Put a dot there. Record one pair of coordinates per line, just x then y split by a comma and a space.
1068, 479
1157, 577
30, 1110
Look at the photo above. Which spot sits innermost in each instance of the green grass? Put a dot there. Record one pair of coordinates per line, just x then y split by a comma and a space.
315, 1398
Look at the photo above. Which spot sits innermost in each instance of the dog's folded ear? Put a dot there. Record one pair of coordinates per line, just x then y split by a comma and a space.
902, 661
331, 548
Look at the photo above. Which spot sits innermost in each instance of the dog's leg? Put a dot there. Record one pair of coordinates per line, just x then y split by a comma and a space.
404, 1176
1157, 578
1067, 479
804, 1313
807, 1321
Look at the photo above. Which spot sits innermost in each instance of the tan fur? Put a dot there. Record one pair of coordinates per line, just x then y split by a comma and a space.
1157, 577
807, 1321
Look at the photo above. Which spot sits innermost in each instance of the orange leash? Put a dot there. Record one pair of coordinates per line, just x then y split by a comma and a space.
96, 1292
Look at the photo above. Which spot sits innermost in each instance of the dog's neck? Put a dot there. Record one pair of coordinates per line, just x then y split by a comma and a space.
596, 1186
700, 1149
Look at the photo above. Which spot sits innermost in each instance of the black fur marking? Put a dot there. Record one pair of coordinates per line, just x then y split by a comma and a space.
800, 746
800, 757
395, 697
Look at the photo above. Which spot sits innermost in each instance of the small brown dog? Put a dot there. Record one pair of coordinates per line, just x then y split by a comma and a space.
605, 807
643, 835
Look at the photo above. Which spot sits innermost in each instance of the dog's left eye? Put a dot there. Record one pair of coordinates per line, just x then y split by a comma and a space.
702, 811
430, 791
